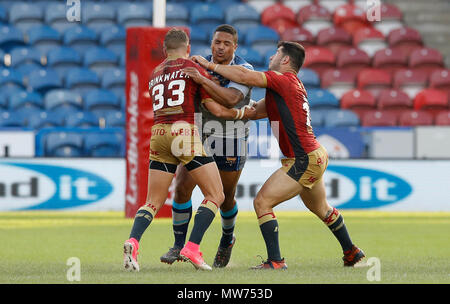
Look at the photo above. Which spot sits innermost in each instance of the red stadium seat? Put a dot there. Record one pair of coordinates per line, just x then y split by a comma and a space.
390, 18
353, 60
281, 25
314, 18
405, 39
276, 12
432, 101
440, 79
350, 17
410, 81
369, 40
334, 38
374, 80
338, 81
415, 118
426, 60
359, 101
442, 119
394, 100
319, 59
379, 118
300, 35
390, 60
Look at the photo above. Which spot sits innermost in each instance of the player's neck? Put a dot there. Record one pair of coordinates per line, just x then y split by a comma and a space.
175, 55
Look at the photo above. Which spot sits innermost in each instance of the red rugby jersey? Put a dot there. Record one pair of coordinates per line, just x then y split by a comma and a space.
175, 95
287, 105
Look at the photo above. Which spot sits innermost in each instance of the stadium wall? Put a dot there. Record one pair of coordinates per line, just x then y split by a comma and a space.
99, 184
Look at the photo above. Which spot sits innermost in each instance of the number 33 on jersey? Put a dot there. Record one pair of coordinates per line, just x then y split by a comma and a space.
175, 96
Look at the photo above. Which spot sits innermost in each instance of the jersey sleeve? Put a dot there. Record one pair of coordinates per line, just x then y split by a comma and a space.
275, 81
205, 97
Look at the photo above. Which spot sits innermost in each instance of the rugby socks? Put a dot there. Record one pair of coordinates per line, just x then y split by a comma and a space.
269, 228
228, 222
335, 222
181, 215
203, 218
142, 220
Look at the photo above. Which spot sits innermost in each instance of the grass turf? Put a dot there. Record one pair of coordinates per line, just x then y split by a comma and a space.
411, 247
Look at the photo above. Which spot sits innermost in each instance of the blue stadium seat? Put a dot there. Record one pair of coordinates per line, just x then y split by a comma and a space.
44, 38
113, 38
3, 101
62, 100
98, 59
82, 80
63, 144
261, 38
202, 49
198, 35
62, 59
309, 78
341, 118
114, 80
2, 57
177, 15
258, 93
318, 117
23, 100
135, 14
80, 38
123, 59
56, 17
10, 37
98, 16
82, 119
115, 119
100, 100
11, 120
44, 119
206, 15
242, 15
3, 14
43, 80
26, 59
250, 55
10, 79
322, 99
25, 15
104, 144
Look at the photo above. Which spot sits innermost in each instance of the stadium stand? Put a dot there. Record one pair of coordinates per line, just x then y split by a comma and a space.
55, 73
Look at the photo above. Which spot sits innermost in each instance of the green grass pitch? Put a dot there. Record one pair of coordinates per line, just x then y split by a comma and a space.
411, 248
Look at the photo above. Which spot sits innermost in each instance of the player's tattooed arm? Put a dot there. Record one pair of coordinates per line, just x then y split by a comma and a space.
235, 73
246, 112
228, 97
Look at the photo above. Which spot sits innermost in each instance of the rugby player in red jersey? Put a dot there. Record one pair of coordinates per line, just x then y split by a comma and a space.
176, 139
286, 106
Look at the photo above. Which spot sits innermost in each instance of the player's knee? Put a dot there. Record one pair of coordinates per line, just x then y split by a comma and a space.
259, 203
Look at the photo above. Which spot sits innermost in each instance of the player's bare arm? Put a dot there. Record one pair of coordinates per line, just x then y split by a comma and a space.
220, 111
235, 73
228, 97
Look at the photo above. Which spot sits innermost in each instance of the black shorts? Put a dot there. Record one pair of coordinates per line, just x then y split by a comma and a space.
230, 154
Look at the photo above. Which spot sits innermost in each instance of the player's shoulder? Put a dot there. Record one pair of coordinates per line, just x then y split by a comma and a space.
238, 60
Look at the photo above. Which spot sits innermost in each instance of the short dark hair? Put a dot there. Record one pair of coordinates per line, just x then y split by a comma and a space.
295, 51
226, 28
175, 38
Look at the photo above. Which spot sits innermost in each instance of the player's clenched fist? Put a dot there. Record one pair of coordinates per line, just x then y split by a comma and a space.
201, 61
